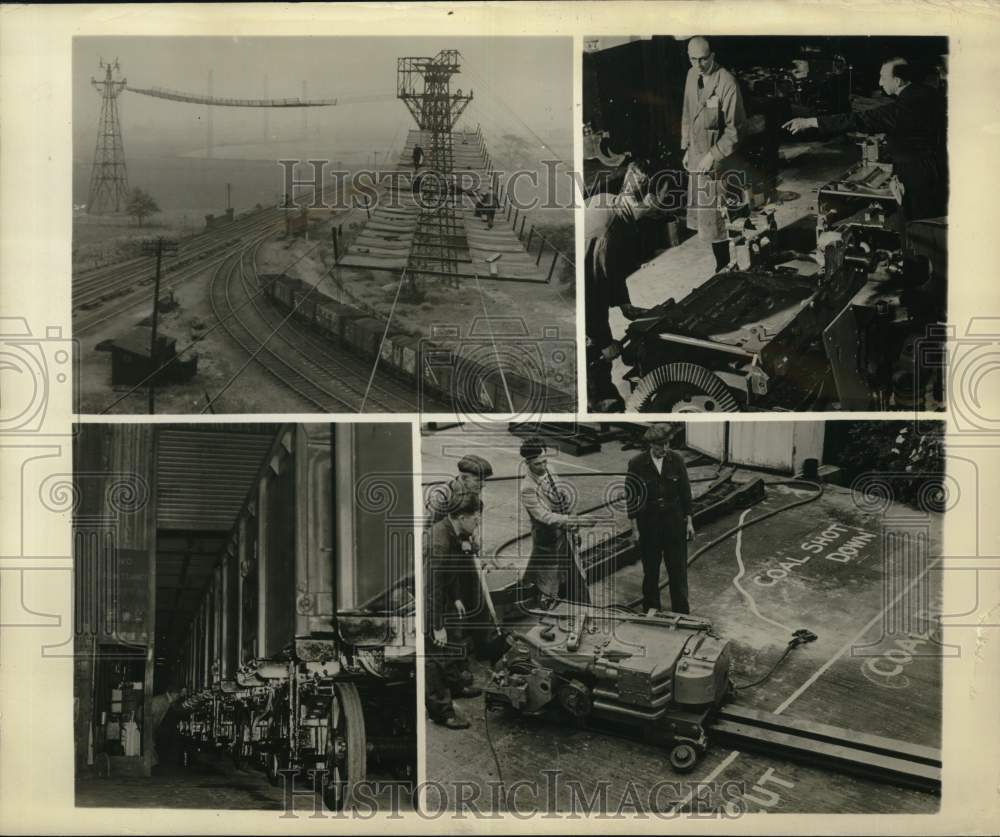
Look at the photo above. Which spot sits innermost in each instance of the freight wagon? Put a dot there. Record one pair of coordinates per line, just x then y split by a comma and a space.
462, 372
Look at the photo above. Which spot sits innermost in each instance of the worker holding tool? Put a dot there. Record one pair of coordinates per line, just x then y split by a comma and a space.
713, 123
658, 500
450, 580
914, 123
554, 564
473, 471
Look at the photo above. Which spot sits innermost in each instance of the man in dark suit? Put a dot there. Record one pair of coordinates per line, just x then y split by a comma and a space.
658, 499
915, 124
452, 593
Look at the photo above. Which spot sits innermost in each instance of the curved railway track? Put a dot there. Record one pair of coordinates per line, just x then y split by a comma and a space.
323, 378
106, 283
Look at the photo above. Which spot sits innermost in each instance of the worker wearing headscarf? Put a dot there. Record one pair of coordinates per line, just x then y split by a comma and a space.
552, 567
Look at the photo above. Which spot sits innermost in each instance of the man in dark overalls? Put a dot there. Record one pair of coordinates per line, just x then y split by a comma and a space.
452, 593
658, 499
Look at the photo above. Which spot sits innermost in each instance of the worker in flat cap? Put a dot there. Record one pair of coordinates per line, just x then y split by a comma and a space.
552, 567
473, 471
658, 500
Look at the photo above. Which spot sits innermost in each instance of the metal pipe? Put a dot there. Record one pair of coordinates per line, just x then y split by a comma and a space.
631, 713
607, 694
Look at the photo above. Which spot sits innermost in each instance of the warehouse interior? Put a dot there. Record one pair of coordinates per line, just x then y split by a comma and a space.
205, 554
719, 299
840, 508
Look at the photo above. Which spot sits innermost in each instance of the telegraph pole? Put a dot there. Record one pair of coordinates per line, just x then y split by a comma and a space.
157, 248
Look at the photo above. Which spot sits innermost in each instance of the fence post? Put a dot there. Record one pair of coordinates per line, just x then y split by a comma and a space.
516, 212
541, 250
510, 206
531, 233
552, 267
336, 247
520, 232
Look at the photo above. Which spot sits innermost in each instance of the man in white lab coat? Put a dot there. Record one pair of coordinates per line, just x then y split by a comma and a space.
713, 124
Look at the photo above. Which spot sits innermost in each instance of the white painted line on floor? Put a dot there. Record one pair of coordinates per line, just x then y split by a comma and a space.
722, 765
847, 646
815, 676
736, 578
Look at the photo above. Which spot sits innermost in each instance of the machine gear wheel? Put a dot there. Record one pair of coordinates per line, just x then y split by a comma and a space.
681, 388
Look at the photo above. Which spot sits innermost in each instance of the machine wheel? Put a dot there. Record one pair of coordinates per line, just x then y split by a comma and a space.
275, 762
681, 388
346, 747
236, 748
683, 757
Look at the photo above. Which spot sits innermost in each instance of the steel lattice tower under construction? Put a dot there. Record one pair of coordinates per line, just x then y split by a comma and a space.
424, 84
109, 178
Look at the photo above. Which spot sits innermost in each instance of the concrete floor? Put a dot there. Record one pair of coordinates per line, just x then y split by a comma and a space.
215, 783
675, 272
756, 590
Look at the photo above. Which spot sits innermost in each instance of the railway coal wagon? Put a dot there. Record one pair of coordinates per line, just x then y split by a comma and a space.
301, 655
465, 374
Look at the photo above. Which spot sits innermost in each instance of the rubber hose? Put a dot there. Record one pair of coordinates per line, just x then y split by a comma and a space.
817, 487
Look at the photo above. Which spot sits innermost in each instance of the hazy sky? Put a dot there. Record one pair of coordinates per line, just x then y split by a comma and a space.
513, 79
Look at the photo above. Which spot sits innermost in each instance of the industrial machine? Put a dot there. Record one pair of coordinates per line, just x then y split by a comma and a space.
665, 678
824, 314
302, 654
789, 326
662, 673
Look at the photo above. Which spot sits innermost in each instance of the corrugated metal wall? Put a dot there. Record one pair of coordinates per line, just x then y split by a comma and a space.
204, 475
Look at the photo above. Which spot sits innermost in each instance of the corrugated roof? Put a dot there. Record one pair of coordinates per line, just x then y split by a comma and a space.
204, 474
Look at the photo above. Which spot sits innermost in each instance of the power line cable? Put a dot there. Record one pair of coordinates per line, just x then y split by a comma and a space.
208, 331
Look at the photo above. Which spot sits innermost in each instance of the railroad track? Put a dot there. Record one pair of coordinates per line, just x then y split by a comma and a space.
323, 380
386, 392
93, 288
